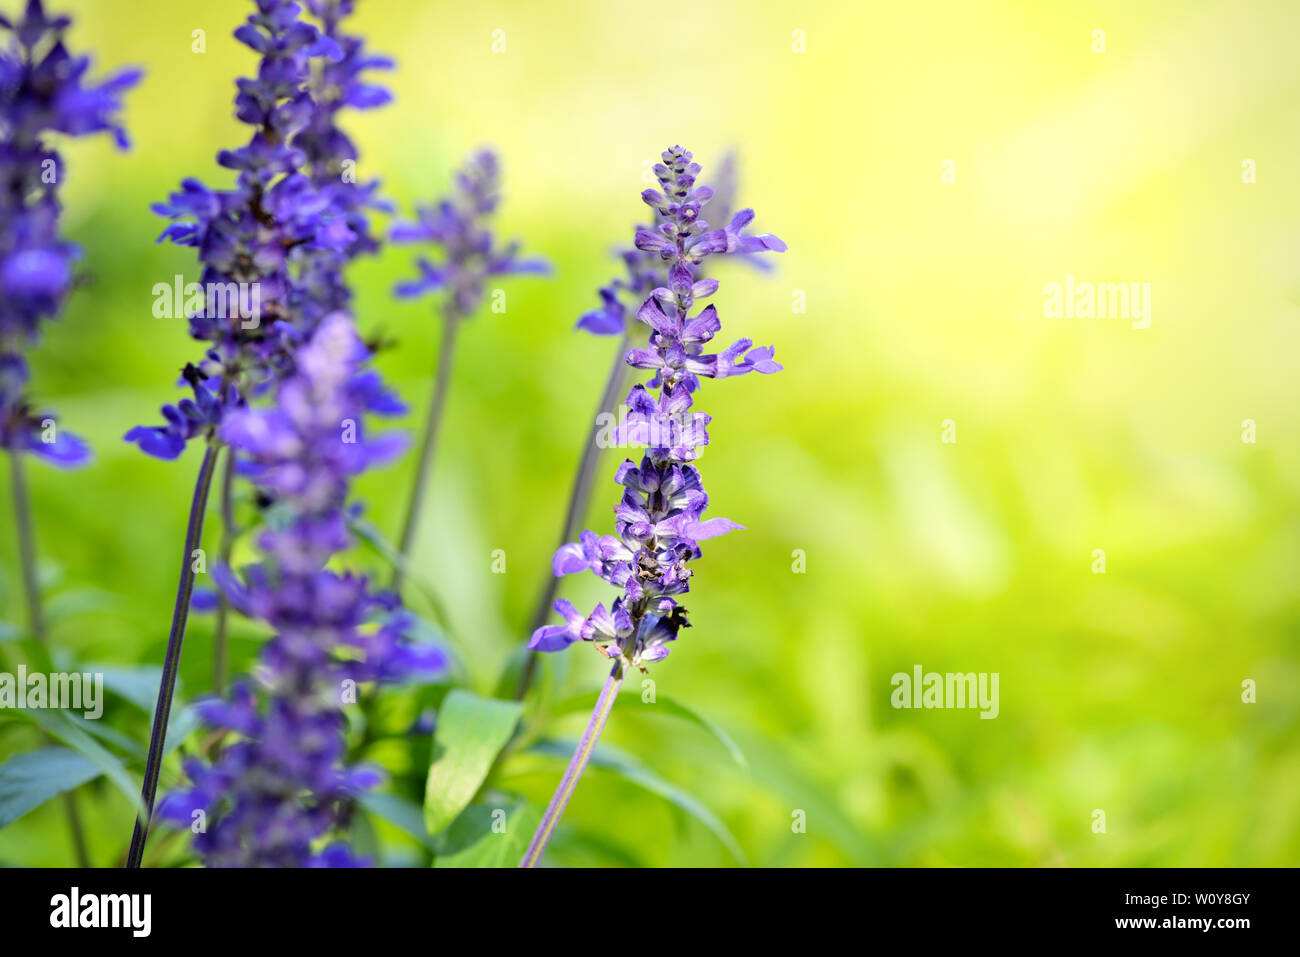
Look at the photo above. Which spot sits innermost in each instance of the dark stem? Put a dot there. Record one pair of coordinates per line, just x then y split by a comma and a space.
578, 498
578, 763
228, 532
171, 664
27, 548
36, 620
432, 422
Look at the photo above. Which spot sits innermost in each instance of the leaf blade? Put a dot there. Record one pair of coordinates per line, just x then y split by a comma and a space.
669, 706
471, 732
608, 758
32, 778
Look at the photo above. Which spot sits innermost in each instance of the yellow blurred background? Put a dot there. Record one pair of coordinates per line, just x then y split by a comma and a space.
932, 166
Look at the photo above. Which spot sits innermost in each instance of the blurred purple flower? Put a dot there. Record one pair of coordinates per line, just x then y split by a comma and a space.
273, 794
468, 253
43, 90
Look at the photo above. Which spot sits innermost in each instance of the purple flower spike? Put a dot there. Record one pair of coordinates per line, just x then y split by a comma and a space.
659, 522
273, 248
271, 796
44, 90
468, 254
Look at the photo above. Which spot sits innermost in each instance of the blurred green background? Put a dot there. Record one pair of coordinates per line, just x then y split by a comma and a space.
924, 302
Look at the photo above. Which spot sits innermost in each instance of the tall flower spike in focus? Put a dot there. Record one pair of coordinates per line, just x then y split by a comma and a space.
644, 271
468, 256
271, 249
272, 795
44, 93
659, 522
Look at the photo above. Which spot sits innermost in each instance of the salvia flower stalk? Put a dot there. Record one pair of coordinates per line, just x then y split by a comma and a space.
467, 256
659, 522
272, 248
44, 92
644, 271
271, 797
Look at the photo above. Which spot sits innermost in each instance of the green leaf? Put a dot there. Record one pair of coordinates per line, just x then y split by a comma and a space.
487, 836
608, 758
661, 705
180, 723
9, 632
138, 685
369, 533
110, 736
402, 814
78, 601
30, 779
58, 725
470, 734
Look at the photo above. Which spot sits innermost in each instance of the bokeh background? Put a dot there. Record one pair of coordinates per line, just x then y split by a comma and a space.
924, 302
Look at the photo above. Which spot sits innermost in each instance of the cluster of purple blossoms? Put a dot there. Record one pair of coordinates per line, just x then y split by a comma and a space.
332, 157
44, 90
458, 227
293, 219
275, 794
646, 269
659, 523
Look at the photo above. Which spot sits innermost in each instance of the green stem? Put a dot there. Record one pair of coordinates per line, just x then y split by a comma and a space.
579, 496
172, 661
27, 547
429, 442
577, 764
36, 622
228, 532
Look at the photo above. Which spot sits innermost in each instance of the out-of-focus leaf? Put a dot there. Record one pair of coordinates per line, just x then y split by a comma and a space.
471, 733
662, 705
404, 815
138, 685
486, 836
180, 724
109, 735
59, 726
78, 601
608, 758
30, 779
369, 533
9, 632
775, 771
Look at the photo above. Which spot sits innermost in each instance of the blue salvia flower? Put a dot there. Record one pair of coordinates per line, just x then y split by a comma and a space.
260, 235
273, 796
468, 255
646, 270
44, 90
282, 234
332, 158
659, 523
458, 227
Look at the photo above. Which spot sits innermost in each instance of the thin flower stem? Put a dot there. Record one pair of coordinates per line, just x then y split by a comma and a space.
428, 443
171, 664
36, 620
228, 532
578, 499
587, 744
27, 548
